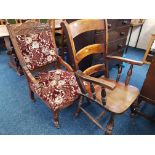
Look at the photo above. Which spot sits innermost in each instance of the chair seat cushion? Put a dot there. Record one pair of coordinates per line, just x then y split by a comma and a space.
37, 49
57, 88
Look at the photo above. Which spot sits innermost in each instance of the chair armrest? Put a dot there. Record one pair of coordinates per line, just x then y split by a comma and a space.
30, 76
66, 65
101, 82
130, 61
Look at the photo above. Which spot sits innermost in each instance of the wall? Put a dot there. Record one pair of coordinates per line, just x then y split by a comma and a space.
147, 30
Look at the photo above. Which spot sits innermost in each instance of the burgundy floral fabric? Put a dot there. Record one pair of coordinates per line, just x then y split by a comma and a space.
37, 49
57, 88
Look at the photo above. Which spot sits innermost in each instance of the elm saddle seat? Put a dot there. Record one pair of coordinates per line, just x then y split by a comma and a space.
114, 103
36, 50
113, 96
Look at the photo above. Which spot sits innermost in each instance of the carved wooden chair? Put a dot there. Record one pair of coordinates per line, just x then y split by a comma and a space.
113, 96
36, 50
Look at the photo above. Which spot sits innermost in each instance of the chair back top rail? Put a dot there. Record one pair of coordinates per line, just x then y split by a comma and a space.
78, 27
24, 29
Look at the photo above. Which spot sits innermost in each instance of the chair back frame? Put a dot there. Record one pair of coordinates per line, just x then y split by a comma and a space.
24, 29
78, 27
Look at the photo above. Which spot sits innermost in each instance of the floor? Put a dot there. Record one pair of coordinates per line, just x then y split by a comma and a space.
19, 116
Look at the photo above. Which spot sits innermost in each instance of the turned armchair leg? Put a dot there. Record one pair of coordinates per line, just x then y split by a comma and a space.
135, 106
110, 125
56, 118
31, 93
79, 105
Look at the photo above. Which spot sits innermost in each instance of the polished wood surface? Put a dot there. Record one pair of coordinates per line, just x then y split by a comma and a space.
119, 99
95, 68
87, 25
111, 95
117, 36
130, 61
81, 41
88, 50
79, 55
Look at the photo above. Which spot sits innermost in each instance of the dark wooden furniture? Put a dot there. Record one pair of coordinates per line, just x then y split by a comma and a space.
148, 89
117, 35
36, 50
112, 95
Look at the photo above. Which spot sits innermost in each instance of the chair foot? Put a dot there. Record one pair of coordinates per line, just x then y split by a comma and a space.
32, 96
110, 125
77, 112
108, 132
56, 124
135, 107
56, 119
132, 108
33, 100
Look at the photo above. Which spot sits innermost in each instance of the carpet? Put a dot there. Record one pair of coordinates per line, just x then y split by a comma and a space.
19, 116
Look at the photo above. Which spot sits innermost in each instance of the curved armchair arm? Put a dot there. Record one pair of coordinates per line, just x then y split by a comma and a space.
130, 61
102, 82
66, 65
30, 76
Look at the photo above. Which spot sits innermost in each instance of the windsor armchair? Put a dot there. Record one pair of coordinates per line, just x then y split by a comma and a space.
113, 96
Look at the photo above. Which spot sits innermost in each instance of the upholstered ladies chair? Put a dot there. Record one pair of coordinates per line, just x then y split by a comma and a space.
113, 96
36, 50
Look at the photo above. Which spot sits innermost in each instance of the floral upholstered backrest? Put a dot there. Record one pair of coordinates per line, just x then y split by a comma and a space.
37, 48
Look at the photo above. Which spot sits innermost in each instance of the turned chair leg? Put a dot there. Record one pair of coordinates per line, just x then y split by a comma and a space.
110, 125
135, 106
79, 105
56, 118
31, 95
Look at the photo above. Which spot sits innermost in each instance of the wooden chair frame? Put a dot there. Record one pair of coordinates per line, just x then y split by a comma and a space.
25, 28
71, 31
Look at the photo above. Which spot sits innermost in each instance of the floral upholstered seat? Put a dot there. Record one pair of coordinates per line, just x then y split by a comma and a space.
37, 49
58, 88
